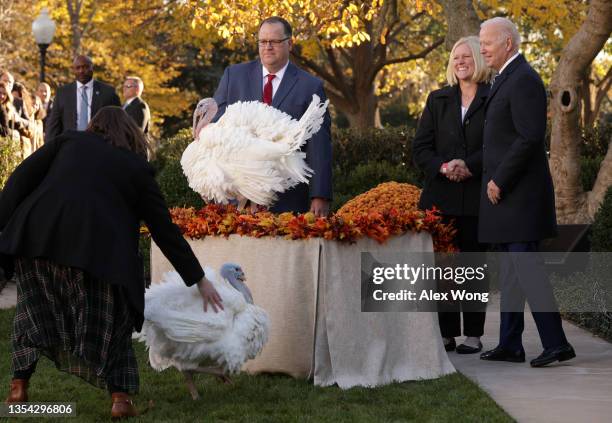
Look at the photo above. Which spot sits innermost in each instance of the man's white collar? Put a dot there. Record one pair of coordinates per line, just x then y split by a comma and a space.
88, 85
507, 63
279, 74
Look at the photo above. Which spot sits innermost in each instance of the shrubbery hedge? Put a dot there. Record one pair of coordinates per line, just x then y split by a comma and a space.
601, 230
10, 156
580, 284
593, 148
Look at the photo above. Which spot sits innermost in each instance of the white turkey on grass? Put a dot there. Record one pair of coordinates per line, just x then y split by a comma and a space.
251, 153
179, 334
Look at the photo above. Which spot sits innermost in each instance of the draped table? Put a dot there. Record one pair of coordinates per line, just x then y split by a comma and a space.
311, 290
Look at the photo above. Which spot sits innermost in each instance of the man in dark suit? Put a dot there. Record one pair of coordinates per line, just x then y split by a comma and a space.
517, 205
76, 103
135, 106
276, 81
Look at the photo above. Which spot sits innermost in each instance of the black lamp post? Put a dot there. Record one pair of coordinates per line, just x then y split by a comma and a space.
43, 29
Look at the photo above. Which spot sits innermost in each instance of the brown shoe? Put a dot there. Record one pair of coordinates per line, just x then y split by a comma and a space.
122, 406
18, 391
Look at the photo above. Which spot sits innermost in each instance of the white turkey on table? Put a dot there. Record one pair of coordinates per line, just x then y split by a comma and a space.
251, 153
178, 333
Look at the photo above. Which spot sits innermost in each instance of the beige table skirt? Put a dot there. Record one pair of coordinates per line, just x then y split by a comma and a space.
311, 290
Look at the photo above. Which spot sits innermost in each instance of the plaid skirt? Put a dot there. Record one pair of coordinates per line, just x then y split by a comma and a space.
80, 323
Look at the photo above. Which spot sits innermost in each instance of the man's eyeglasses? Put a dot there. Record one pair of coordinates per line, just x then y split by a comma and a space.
273, 43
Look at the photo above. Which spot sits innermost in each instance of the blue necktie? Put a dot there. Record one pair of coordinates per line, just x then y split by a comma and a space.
82, 123
493, 79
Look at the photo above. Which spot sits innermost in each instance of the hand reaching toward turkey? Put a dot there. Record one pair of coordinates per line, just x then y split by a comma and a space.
209, 295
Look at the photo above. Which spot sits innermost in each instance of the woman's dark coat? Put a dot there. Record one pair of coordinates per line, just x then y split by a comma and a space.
442, 137
79, 201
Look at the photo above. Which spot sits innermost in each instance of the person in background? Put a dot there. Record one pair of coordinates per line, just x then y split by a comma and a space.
76, 103
28, 129
21, 117
38, 116
7, 113
44, 93
134, 105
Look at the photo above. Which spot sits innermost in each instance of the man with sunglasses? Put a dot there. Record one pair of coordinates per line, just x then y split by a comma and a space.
274, 80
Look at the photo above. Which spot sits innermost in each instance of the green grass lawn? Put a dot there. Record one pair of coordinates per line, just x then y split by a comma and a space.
268, 398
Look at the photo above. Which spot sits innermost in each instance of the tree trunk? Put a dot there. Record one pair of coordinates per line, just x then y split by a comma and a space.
74, 13
573, 204
364, 116
365, 101
461, 20
350, 73
587, 111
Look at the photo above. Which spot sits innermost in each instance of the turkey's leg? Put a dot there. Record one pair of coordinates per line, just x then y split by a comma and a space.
242, 202
215, 371
190, 385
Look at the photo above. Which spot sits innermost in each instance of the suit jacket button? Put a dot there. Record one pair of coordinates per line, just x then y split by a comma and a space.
467, 121
485, 121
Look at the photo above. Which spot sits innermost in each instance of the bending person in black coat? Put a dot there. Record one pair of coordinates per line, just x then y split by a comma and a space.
69, 220
448, 148
517, 205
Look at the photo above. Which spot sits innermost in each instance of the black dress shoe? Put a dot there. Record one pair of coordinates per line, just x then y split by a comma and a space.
451, 345
562, 353
500, 354
466, 349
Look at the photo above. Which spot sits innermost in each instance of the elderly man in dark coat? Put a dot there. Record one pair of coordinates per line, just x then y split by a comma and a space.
517, 206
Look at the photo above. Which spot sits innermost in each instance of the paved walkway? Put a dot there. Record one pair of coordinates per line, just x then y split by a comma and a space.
579, 390
8, 296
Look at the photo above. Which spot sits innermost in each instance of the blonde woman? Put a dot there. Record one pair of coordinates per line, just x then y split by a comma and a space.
448, 148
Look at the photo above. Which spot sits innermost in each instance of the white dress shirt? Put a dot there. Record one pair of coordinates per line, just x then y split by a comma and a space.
89, 86
276, 81
127, 102
507, 63
463, 112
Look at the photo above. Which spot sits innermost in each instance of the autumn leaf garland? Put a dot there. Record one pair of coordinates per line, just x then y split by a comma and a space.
224, 220
390, 209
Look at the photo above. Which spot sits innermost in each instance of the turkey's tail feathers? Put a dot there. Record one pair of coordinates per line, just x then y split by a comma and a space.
311, 120
249, 335
295, 166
